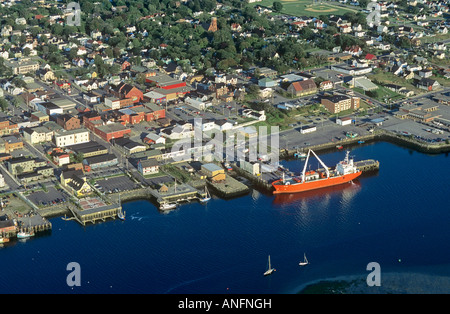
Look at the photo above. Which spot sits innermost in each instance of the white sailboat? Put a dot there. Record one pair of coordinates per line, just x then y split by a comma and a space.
207, 197
121, 214
269, 270
305, 261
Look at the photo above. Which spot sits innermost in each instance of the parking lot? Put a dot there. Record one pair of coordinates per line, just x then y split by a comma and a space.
53, 196
115, 184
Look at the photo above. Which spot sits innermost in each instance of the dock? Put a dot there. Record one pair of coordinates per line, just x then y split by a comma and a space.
92, 209
367, 165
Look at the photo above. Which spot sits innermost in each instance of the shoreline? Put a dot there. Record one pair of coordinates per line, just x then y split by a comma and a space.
379, 136
392, 282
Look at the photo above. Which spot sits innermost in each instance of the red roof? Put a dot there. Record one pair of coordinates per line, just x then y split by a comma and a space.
370, 56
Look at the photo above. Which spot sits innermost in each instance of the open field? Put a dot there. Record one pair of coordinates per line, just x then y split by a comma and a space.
305, 7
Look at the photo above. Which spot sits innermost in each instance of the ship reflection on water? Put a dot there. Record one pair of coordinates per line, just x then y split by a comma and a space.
348, 191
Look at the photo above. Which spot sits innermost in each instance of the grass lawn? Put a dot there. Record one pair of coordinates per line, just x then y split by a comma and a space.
305, 7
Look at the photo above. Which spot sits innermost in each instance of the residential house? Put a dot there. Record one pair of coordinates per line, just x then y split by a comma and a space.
428, 84
149, 166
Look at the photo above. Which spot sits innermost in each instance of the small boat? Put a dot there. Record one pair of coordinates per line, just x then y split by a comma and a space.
207, 197
24, 235
167, 206
300, 155
305, 261
4, 240
339, 147
361, 142
121, 215
269, 270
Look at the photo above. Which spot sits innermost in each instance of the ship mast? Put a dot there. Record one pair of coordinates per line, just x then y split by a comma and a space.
304, 168
321, 162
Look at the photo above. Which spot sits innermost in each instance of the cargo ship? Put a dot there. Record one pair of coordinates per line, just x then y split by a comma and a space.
345, 171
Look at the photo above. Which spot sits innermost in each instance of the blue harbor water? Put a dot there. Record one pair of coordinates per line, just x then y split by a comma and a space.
398, 217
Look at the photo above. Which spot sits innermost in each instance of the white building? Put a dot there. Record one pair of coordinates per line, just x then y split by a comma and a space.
66, 138
308, 129
344, 121
112, 102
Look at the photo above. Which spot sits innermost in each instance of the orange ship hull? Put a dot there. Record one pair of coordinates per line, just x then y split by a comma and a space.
313, 185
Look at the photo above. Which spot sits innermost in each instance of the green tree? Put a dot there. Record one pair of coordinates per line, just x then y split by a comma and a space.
277, 6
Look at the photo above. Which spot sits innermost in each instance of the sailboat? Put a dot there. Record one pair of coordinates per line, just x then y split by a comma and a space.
121, 214
305, 261
269, 270
207, 197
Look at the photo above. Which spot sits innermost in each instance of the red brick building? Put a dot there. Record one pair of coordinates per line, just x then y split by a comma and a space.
127, 91
140, 113
111, 131
68, 122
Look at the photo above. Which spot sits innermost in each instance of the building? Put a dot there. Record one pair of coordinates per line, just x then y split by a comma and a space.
213, 172
338, 103
22, 66
308, 129
72, 137
29, 169
344, 121
128, 91
37, 134
428, 84
68, 122
423, 113
250, 166
75, 181
88, 149
39, 116
302, 88
7, 127
138, 114
128, 146
102, 161
149, 166
10, 143
111, 131
61, 159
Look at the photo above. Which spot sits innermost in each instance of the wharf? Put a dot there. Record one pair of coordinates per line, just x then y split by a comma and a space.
90, 210
367, 165
177, 194
32, 223
230, 187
